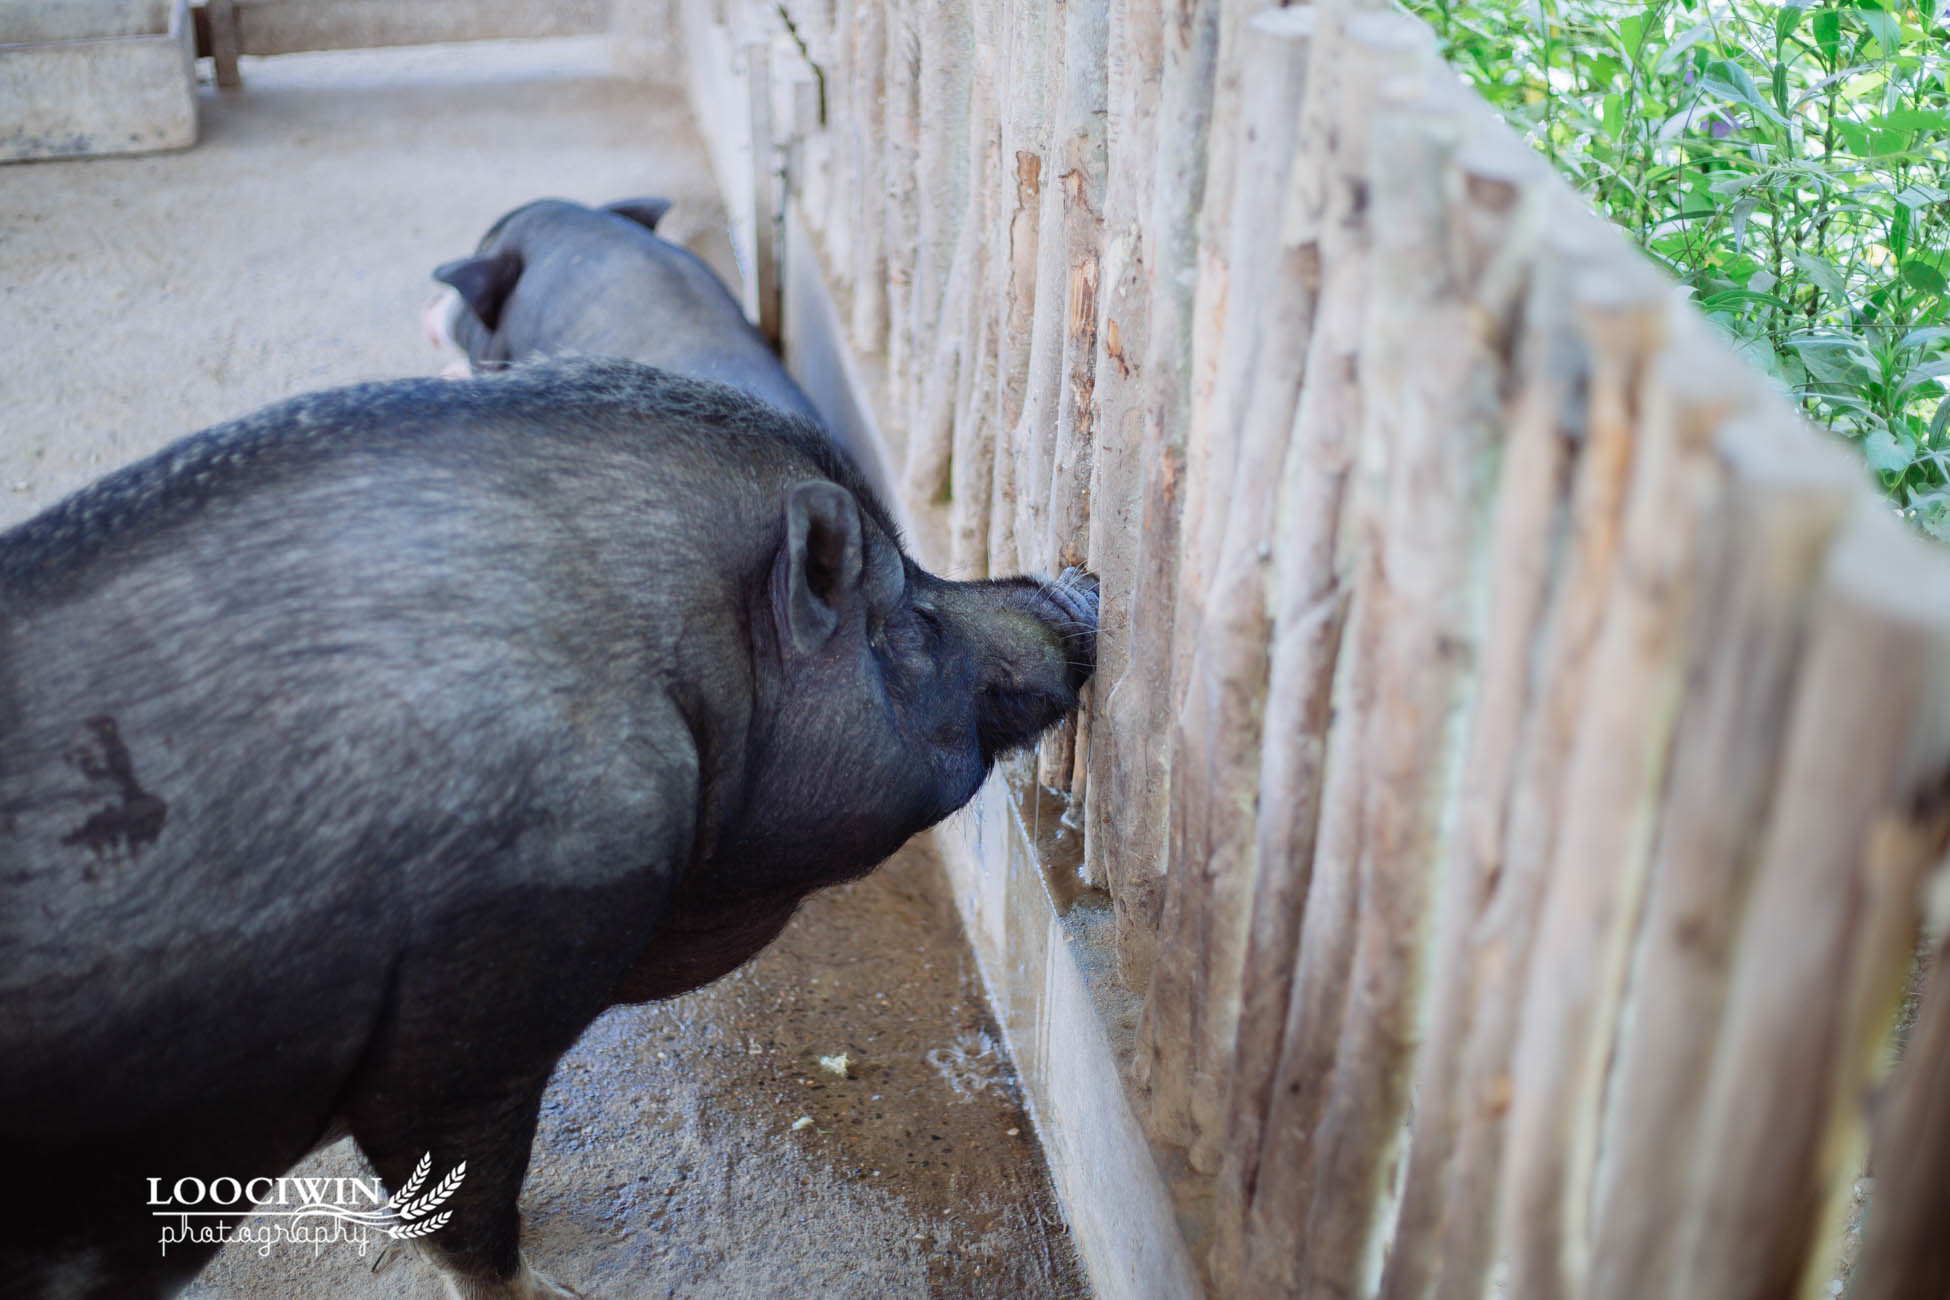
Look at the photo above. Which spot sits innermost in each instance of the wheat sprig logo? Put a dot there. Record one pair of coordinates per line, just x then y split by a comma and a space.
406, 1193
422, 1228
426, 1204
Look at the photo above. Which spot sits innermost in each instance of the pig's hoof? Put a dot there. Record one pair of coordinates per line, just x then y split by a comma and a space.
524, 1285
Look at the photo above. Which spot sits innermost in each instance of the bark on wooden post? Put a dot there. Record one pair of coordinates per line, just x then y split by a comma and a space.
1140, 700
925, 479
1621, 334
1431, 387
973, 473
939, 181
1025, 155
1610, 799
1772, 539
1438, 339
1065, 487
1867, 752
1192, 1008
1503, 183
765, 190
901, 137
1322, 573
1133, 49
865, 127
1309, 604
1905, 1252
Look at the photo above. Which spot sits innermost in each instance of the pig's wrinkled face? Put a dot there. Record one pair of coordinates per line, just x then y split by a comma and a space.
897, 690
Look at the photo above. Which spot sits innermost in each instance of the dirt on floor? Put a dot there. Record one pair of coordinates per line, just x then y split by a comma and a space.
693, 1148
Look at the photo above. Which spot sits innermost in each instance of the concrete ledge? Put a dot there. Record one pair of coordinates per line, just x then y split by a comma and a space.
1049, 966
291, 26
109, 77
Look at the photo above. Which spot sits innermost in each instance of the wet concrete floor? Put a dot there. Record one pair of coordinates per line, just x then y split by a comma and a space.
143, 298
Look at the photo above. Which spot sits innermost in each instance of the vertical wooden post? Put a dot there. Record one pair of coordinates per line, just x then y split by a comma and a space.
1504, 196
1905, 1252
1140, 700
1863, 770
1133, 41
1771, 539
223, 42
1609, 805
1192, 1007
901, 133
1621, 331
867, 129
766, 240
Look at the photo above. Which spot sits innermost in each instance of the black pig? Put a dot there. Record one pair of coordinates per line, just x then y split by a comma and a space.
356, 755
555, 278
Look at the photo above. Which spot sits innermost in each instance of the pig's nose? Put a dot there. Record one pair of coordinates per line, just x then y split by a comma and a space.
1075, 593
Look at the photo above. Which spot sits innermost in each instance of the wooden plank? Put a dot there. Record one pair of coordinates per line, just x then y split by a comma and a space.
1745, 653
1905, 1252
868, 273
1859, 816
1503, 196
1140, 700
1431, 385
1620, 333
1133, 49
766, 205
1192, 1005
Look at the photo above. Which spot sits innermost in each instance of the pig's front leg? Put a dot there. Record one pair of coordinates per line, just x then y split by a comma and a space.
478, 1250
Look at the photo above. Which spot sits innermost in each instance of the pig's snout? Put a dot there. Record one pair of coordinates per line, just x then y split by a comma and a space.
1069, 605
437, 319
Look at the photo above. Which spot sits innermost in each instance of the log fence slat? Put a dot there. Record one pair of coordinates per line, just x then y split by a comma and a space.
1516, 782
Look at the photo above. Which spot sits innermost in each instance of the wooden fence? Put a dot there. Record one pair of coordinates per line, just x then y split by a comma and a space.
1520, 753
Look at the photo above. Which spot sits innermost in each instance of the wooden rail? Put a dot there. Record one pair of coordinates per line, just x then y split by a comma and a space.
1510, 802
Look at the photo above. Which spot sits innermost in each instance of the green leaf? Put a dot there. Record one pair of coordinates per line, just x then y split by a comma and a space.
1730, 81
1825, 274
1827, 29
1631, 35
1935, 518
1882, 25
1913, 119
1734, 297
1923, 374
1836, 359
1885, 452
1686, 40
1921, 275
1786, 19
1919, 195
1614, 116
1917, 338
1884, 143
1855, 136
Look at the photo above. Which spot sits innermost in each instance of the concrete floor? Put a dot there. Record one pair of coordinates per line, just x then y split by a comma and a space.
143, 298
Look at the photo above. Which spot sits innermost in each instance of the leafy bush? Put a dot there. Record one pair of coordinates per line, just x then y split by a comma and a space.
1787, 162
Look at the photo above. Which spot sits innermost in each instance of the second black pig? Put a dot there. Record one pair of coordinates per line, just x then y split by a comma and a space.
555, 278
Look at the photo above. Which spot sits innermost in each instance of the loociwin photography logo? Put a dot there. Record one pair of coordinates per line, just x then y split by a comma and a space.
315, 1212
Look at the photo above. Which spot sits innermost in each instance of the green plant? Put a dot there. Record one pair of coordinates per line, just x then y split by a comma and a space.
1787, 162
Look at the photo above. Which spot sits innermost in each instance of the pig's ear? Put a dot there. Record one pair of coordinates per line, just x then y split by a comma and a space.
483, 282
823, 562
645, 212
